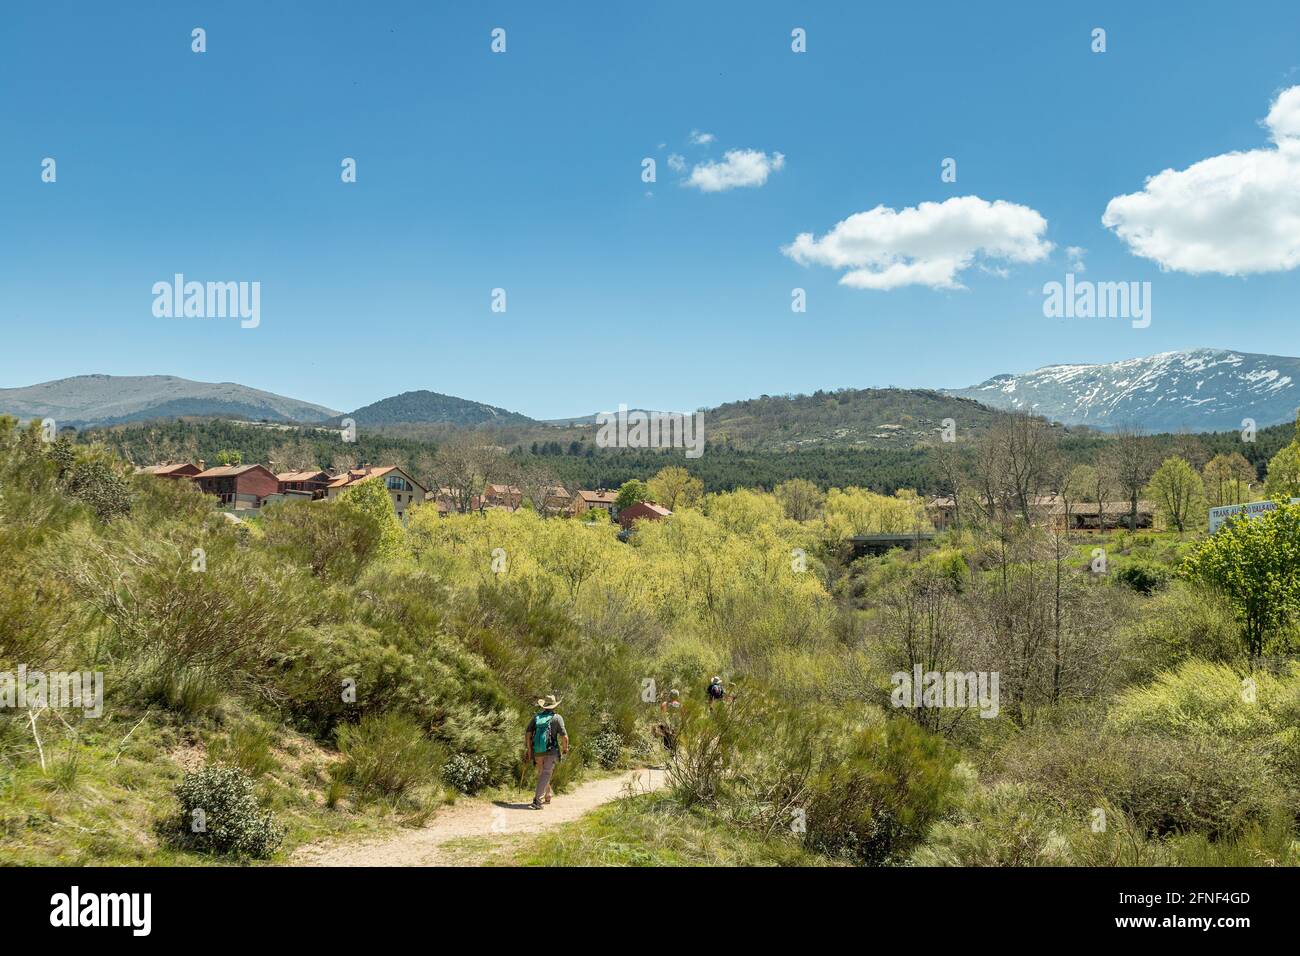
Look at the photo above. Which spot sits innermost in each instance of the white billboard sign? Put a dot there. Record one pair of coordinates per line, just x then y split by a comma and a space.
1253, 510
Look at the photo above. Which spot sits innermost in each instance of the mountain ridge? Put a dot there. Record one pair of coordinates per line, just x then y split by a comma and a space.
84, 400
1201, 389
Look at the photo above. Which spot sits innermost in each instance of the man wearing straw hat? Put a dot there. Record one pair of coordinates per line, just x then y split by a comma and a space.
548, 741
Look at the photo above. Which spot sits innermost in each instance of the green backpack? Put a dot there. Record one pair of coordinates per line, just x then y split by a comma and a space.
542, 732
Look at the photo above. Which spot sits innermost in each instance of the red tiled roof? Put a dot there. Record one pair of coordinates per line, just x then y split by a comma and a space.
228, 471
166, 468
365, 474
300, 475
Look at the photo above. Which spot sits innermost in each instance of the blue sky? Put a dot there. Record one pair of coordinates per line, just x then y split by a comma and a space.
522, 171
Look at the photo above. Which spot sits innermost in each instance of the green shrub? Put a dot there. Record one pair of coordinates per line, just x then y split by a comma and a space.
385, 755
1142, 576
371, 500
687, 662
96, 484
1166, 784
1177, 624
188, 691
247, 747
181, 635
1000, 826
876, 803
1260, 711
335, 544
219, 813
1206, 785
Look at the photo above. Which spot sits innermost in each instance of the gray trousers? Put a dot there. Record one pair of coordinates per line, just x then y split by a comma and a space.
545, 768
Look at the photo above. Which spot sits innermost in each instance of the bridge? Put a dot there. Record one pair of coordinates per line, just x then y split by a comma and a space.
876, 544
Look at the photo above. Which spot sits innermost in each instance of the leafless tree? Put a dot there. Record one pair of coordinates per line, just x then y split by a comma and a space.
1132, 461
921, 624
950, 466
1015, 464
462, 466
535, 482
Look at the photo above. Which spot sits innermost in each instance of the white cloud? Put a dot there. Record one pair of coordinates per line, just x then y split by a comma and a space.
701, 139
1074, 257
1235, 214
738, 167
677, 162
927, 245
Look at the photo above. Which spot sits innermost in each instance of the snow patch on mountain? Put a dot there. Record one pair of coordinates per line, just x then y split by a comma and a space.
1192, 390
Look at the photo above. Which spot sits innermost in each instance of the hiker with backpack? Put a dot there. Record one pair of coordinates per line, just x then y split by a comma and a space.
716, 691
548, 742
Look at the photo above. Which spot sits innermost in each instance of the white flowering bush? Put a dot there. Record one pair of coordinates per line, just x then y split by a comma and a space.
468, 773
220, 814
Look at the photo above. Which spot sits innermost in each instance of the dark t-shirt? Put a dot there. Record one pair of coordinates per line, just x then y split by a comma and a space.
554, 742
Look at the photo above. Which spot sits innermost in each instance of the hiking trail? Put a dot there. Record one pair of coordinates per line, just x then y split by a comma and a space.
499, 821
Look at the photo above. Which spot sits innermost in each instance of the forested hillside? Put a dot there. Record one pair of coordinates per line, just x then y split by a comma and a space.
579, 464
434, 408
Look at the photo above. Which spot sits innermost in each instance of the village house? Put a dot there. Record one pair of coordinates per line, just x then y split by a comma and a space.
584, 501
313, 483
448, 502
558, 500
241, 487
1051, 510
1087, 517
501, 496
942, 510
171, 469
642, 511
406, 492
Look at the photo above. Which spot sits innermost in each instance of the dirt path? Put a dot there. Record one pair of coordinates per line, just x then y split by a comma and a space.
497, 821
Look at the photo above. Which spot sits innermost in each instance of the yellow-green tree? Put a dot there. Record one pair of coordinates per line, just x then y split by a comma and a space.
1227, 479
674, 487
1283, 479
801, 499
1254, 564
371, 499
1178, 493
630, 492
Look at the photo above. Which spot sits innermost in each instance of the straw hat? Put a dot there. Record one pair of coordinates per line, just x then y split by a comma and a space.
549, 702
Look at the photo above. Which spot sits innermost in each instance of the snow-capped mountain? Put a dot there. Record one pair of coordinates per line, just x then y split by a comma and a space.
1192, 390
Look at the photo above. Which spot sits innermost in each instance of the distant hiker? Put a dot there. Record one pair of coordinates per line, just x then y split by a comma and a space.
716, 690
548, 742
667, 736
666, 731
673, 705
